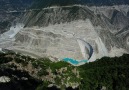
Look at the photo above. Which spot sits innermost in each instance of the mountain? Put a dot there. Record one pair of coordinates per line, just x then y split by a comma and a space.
14, 4
41, 31
48, 3
8, 6
54, 32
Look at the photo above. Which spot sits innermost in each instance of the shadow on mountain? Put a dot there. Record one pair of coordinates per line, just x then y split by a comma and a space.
19, 80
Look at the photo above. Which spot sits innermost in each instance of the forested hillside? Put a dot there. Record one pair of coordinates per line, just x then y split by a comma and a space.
107, 73
111, 73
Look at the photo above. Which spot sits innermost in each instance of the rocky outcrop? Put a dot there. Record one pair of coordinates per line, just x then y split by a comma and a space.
56, 15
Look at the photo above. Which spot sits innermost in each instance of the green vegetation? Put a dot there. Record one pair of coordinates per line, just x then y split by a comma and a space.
4, 58
109, 73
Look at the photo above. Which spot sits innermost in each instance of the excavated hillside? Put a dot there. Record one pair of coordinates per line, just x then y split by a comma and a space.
53, 31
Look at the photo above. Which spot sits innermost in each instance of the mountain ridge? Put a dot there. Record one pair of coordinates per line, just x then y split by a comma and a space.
48, 3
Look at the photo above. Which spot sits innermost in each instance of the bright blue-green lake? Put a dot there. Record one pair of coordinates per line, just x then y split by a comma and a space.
74, 62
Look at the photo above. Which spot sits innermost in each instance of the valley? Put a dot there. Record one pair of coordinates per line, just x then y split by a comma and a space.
55, 36
64, 44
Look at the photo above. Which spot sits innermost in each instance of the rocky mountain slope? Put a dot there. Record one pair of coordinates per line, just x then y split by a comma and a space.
6, 9
96, 25
53, 31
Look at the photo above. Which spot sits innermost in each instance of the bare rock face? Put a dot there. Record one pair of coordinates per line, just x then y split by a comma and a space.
53, 32
4, 79
58, 40
56, 15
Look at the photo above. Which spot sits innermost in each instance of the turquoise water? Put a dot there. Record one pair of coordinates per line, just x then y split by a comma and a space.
73, 61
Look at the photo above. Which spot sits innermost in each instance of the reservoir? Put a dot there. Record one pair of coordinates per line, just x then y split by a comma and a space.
75, 62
